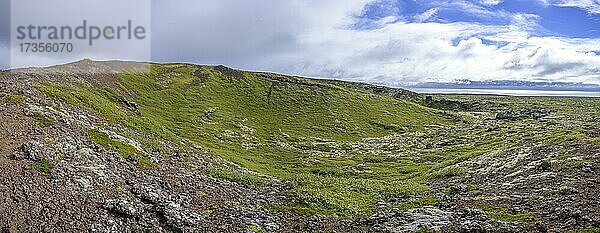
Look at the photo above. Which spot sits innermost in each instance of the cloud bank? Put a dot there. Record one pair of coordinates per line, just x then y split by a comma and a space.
592, 6
308, 38
338, 39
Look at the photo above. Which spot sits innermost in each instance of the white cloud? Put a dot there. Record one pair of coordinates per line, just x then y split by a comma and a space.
544, 2
315, 38
471, 7
424, 52
525, 21
426, 15
591, 6
490, 2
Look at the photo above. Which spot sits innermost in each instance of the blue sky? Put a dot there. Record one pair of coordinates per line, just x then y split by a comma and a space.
395, 42
553, 19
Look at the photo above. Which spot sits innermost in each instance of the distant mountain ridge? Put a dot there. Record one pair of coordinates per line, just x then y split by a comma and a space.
510, 85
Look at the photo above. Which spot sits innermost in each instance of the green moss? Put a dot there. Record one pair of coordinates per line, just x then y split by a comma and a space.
44, 165
346, 197
256, 229
173, 101
564, 157
127, 151
574, 164
501, 214
242, 178
153, 146
14, 100
102, 139
207, 212
43, 121
145, 161
293, 130
591, 230
449, 172
64, 94
106, 103
473, 187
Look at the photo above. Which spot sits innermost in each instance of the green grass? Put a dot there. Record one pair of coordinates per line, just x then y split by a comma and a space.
44, 165
591, 230
201, 194
11, 100
127, 151
564, 157
43, 121
294, 129
216, 110
145, 161
500, 213
207, 212
346, 197
256, 229
449, 172
102, 139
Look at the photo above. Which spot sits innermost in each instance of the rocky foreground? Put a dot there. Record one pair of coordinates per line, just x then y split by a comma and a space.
516, 164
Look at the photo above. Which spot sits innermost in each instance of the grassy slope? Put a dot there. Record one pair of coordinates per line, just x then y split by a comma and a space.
268, 126
293, 128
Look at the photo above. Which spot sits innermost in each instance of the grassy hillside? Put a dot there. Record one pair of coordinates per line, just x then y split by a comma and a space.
271, 150
313, 134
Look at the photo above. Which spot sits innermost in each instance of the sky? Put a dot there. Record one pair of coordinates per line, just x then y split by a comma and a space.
394, 42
